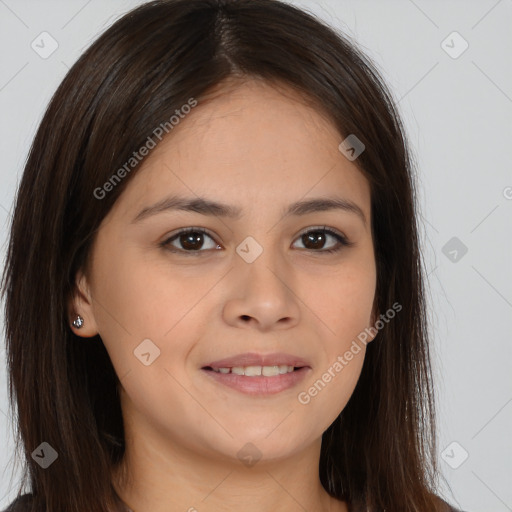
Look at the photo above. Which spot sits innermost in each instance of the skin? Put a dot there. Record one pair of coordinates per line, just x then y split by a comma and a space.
260, 148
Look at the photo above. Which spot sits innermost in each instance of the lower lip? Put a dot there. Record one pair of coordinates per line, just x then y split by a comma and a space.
259, 385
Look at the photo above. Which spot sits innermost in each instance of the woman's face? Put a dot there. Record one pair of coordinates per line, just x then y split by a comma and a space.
168, 306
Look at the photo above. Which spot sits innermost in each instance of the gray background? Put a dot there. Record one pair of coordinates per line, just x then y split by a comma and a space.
457, 111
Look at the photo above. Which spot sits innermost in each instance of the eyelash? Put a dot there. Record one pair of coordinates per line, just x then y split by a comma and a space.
342, 240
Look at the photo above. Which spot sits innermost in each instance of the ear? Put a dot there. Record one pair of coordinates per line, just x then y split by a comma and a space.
81, 303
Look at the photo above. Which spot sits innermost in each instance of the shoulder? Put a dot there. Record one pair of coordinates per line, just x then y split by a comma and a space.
20, 504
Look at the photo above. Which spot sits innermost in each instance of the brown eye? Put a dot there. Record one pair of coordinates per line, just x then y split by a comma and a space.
192, 241
315, 240
189, 240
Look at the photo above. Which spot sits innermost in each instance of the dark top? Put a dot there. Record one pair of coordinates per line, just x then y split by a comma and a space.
22, 504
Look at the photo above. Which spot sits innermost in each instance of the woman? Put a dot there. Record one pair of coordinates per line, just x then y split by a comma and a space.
214, 295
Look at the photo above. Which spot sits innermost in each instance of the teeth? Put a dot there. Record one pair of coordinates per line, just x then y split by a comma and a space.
270, 371
256, 371
252, 371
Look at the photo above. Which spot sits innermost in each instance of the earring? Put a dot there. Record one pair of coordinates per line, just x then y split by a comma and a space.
78, 322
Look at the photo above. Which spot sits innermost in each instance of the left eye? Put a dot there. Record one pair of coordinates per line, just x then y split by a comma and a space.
191, 240
318, 236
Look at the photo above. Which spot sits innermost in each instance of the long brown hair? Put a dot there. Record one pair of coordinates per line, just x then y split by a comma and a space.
380, 452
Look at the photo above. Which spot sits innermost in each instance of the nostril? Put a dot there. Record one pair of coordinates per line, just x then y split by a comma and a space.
246, 317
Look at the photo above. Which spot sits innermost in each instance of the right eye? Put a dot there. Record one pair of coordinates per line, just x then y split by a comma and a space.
190, 239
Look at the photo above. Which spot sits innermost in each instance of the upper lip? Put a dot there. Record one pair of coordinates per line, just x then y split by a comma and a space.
253, 359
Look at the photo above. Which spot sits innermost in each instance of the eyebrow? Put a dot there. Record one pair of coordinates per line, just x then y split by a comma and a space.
205, 206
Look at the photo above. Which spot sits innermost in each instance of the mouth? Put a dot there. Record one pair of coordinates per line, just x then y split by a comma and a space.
271, 364
256, 374
255, 370
255, 383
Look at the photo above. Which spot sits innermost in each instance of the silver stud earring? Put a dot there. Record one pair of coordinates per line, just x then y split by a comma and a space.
78, 322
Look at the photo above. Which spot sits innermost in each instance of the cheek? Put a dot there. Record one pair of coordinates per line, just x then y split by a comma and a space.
343, 300
343, 303
133, 294
139, 299
330, 389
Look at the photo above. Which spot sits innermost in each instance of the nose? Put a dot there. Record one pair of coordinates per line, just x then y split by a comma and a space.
262, 295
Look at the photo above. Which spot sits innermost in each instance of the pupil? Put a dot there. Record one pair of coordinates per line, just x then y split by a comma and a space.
315, 238
191, 239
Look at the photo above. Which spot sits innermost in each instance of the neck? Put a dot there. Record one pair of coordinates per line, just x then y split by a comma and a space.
175, 473
178, 481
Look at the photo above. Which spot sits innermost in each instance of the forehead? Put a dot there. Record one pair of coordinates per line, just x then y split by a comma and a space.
248, 144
